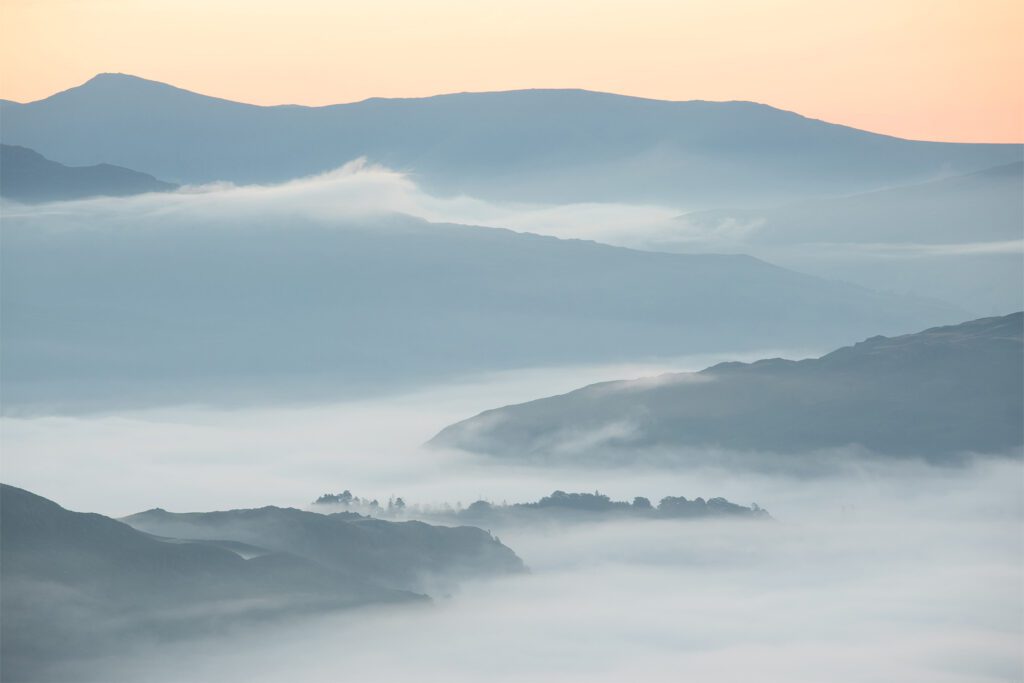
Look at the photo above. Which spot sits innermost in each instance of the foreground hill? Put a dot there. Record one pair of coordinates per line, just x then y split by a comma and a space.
27, 176
937, 393
78, 585
123, 309
408, 555
532, 145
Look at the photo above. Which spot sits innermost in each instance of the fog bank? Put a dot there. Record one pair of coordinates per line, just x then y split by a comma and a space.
886, 577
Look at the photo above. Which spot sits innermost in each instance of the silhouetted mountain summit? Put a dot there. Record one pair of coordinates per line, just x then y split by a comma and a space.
534, 145
936, 394
27, 176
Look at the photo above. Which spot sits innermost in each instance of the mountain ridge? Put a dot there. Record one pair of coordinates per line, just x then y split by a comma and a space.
123, 77
115, 76
937, 393
544, 145
402, 555
28, 177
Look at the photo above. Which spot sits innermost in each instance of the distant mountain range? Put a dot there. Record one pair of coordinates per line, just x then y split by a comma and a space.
79, 586
936, 394
531, 145
162, 307
984, 206
27, 176
959, 239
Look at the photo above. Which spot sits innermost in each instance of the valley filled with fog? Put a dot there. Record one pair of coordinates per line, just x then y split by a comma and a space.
543, 385
863, 560
918, 587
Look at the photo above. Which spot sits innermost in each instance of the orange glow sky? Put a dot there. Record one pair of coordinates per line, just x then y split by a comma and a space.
925, 69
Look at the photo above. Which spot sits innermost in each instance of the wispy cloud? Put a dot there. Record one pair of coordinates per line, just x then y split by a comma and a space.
359, 189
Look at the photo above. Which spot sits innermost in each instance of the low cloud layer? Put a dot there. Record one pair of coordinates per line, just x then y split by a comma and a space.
989, 284
359, 189
895, 576
363, 188
193, 458
870, 571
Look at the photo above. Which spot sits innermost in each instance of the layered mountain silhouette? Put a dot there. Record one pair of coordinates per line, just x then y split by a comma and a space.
80, 586
165, 307
936, 394
978, 207
958, 239
27, 176
534, 145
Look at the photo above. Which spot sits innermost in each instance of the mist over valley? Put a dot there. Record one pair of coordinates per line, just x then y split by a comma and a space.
542, 384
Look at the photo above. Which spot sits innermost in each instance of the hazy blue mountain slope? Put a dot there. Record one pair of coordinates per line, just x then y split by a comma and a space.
400, 554
979, 207
27, 176
535, 145
935, 394
160, 308
78, 585
957, 239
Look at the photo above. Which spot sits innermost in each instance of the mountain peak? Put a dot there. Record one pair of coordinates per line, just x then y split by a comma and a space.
116, 88
108, 80
116, 76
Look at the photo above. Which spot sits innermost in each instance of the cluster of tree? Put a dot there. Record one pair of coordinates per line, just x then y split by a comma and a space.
669, 506
368, 506
673, 506
558, 504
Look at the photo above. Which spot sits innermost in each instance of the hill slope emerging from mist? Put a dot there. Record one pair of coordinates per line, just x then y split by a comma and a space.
79, 585
408, 555
27, 176
529, 145
162, 307
936, 393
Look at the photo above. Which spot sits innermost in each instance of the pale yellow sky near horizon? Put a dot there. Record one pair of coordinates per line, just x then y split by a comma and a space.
923, 69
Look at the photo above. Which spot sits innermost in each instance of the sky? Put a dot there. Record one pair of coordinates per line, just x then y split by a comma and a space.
924, 69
